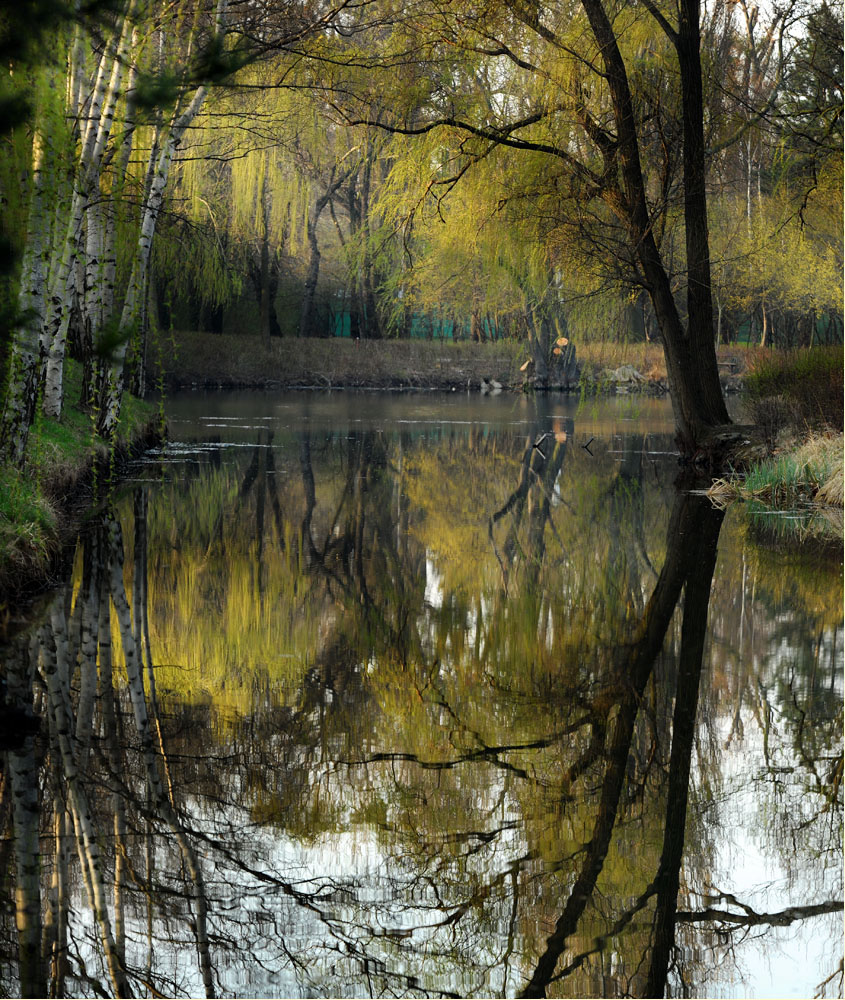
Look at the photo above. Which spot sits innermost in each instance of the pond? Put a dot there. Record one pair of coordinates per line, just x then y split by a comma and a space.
358, 695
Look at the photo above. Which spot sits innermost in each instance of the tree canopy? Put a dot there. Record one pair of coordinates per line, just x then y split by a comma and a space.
589, 169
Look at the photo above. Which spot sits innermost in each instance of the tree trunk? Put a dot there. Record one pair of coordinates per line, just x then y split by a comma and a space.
22, 388
313, 272
372, 322
86, 187
264, 296
694, 386
699, 281
23, 777
111, 392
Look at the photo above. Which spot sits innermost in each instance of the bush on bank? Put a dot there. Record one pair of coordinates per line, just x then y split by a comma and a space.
795, 392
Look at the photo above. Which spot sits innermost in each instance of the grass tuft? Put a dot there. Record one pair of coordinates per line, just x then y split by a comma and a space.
28, 524
809, 476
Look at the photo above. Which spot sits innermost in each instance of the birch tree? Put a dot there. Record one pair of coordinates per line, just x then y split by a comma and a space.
111, 390
22, 391
101, 115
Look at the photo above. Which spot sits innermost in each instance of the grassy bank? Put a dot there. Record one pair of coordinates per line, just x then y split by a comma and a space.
42, 502
809, 474
210, 360
796, 398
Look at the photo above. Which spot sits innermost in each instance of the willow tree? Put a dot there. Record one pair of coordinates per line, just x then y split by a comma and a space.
478, 257
606, 92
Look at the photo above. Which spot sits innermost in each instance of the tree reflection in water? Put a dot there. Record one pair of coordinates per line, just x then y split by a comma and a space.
451, 722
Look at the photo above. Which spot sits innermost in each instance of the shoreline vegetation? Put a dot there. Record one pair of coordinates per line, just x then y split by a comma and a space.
795, 398
69, 469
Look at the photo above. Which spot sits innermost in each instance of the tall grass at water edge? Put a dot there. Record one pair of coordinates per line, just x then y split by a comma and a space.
810, 475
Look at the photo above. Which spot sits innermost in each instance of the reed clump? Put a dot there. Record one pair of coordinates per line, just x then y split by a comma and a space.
808, 475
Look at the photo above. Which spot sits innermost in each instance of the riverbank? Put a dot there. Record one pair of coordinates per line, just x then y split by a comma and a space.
208, 361
808, 475
796, 400
43, 505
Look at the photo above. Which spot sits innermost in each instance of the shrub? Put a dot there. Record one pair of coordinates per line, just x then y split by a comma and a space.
802, 389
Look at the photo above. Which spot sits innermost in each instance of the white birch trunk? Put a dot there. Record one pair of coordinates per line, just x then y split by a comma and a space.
112, 745
115, 376
113, 383
55, 923
76, 77
109, 273
90, 620
23, 777
103, 103
92, 312
159, 795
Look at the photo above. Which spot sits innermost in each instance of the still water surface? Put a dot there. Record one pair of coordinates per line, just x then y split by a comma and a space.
358, 695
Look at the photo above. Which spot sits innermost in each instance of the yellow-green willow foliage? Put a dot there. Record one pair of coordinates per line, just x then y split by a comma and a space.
787, 259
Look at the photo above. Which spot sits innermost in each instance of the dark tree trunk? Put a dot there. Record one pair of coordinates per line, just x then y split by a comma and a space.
306, 318
699, 284
693, 635
373, 328
476, 327
690, 353
311, 275
692, 537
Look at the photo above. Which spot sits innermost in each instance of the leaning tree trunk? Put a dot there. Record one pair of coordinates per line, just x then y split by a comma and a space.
55, 668
133, 660
111, 394
23, 778
111, 389
313, 272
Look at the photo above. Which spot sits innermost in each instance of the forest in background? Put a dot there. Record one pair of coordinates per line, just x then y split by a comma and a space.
375, 170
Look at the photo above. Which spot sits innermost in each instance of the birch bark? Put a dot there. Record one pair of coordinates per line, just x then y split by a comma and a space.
113, 383
83, 818
101, 117
132, 651
23, 775
111, 394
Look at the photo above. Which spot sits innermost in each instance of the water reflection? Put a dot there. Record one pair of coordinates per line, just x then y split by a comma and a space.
429, 709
